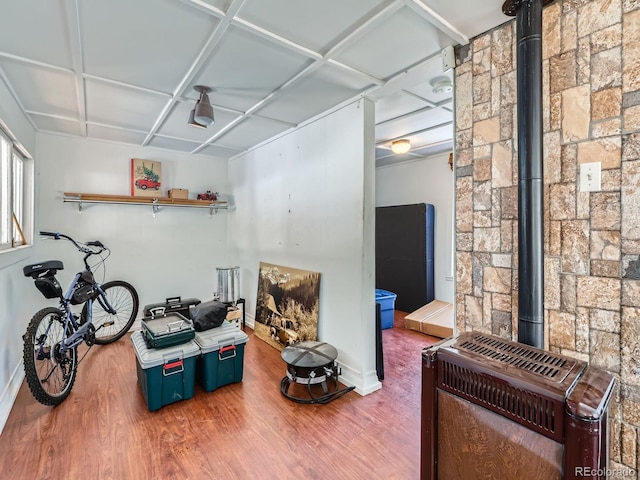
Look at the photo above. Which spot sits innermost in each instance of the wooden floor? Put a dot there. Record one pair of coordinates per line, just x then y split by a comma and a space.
246, 430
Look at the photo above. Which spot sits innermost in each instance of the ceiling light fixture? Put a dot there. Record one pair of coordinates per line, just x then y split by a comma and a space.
401, 146
441, 84
192, 121
202, 114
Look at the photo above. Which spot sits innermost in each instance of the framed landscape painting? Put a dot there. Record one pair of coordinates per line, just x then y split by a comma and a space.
287, 305
146, 178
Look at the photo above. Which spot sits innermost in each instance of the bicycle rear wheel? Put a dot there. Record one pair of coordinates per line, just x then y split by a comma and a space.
50, 374
124, 300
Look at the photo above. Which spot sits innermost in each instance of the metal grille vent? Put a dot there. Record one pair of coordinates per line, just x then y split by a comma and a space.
518, 355
538, 412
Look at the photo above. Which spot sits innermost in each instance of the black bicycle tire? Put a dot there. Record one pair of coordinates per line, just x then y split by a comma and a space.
30, 369
127, 325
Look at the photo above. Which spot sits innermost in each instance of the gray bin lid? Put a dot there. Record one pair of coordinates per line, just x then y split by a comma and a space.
168, 324
153, 357
226, 334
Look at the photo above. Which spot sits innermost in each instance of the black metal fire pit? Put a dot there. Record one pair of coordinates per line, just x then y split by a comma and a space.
312, 363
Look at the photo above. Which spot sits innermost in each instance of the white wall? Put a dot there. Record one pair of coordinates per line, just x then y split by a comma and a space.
426, 180
172, 253
175, 253
305, 201
16, 298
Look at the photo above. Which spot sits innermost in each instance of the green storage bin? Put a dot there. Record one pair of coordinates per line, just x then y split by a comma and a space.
167, 330
222, 359
165, 376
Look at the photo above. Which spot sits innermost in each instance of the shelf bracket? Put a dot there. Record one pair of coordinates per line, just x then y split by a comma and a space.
155, 207
80, 206
213, 209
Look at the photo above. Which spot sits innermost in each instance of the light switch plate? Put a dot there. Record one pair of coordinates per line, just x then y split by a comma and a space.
590, 177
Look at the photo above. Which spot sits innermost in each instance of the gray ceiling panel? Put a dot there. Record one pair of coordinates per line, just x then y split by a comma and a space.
246, 68
147, 43
220, 151
57, 125
124, 70
173, 144
310, 24
326, 87
123, 107
404, 39
115, 134
252, 131
43, 90
36, 30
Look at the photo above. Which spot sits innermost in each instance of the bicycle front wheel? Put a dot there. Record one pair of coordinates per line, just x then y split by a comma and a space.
50, 373
111, 327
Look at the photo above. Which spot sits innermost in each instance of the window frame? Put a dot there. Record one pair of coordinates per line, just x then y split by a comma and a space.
16, 195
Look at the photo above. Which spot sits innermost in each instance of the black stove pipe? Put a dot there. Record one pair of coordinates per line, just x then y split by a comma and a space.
530, 172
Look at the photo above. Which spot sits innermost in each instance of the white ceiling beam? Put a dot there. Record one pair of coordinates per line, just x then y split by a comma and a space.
416, 132
75, 41
205, 7
52, 115
36, 63
402, 79
302, 73
431, 107
211, 43
347, 68
437, 20
280, 40
222, 131
127, 85
115, 127
16, 99
367, 24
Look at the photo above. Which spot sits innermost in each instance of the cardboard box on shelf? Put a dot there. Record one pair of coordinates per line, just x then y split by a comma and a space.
179, 193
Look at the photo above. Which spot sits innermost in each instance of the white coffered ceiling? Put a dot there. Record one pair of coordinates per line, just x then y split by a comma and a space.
124, 70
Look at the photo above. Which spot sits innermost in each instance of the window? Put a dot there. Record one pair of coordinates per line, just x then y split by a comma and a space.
16, 190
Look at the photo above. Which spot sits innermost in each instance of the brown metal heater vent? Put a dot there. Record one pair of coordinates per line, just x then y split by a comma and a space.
521, 356
492, 408
538, 412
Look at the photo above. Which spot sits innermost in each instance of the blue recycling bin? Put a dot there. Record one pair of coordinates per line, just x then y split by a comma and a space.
387, 301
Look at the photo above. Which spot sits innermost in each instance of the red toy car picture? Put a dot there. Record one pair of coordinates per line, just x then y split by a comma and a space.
144, 183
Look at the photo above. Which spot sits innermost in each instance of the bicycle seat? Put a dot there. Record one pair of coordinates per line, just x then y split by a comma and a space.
49, 267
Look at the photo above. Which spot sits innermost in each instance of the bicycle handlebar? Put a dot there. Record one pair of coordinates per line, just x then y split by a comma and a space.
81, 247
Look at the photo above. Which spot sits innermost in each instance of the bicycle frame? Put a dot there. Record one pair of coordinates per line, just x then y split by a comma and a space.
79, 331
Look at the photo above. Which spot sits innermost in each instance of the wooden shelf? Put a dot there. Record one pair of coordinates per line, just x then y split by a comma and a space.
155, 202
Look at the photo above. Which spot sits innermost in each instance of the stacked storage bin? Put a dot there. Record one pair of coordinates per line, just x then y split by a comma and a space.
165, 375
222, 359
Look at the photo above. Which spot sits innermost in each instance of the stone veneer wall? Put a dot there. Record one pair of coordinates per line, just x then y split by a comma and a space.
591, 105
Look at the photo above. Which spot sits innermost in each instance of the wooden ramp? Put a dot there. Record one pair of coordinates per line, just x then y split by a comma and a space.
435, 318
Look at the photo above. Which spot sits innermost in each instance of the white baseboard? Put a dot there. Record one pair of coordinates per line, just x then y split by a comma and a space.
365, 384
249, 320
10, 393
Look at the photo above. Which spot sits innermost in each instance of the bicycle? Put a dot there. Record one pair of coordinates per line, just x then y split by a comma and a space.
52, 338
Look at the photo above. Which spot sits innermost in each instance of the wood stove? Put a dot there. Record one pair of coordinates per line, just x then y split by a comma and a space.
492, 408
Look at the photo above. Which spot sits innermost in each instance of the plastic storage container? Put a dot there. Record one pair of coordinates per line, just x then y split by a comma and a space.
165, 376
387, 301
167, 330
170, 305
222, 358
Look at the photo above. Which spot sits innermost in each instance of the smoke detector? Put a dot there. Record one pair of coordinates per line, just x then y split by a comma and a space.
441, 84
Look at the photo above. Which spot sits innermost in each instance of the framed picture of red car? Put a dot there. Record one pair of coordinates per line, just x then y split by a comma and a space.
146, 178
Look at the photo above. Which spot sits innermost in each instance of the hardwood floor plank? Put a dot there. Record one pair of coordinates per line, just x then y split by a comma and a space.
245, 430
